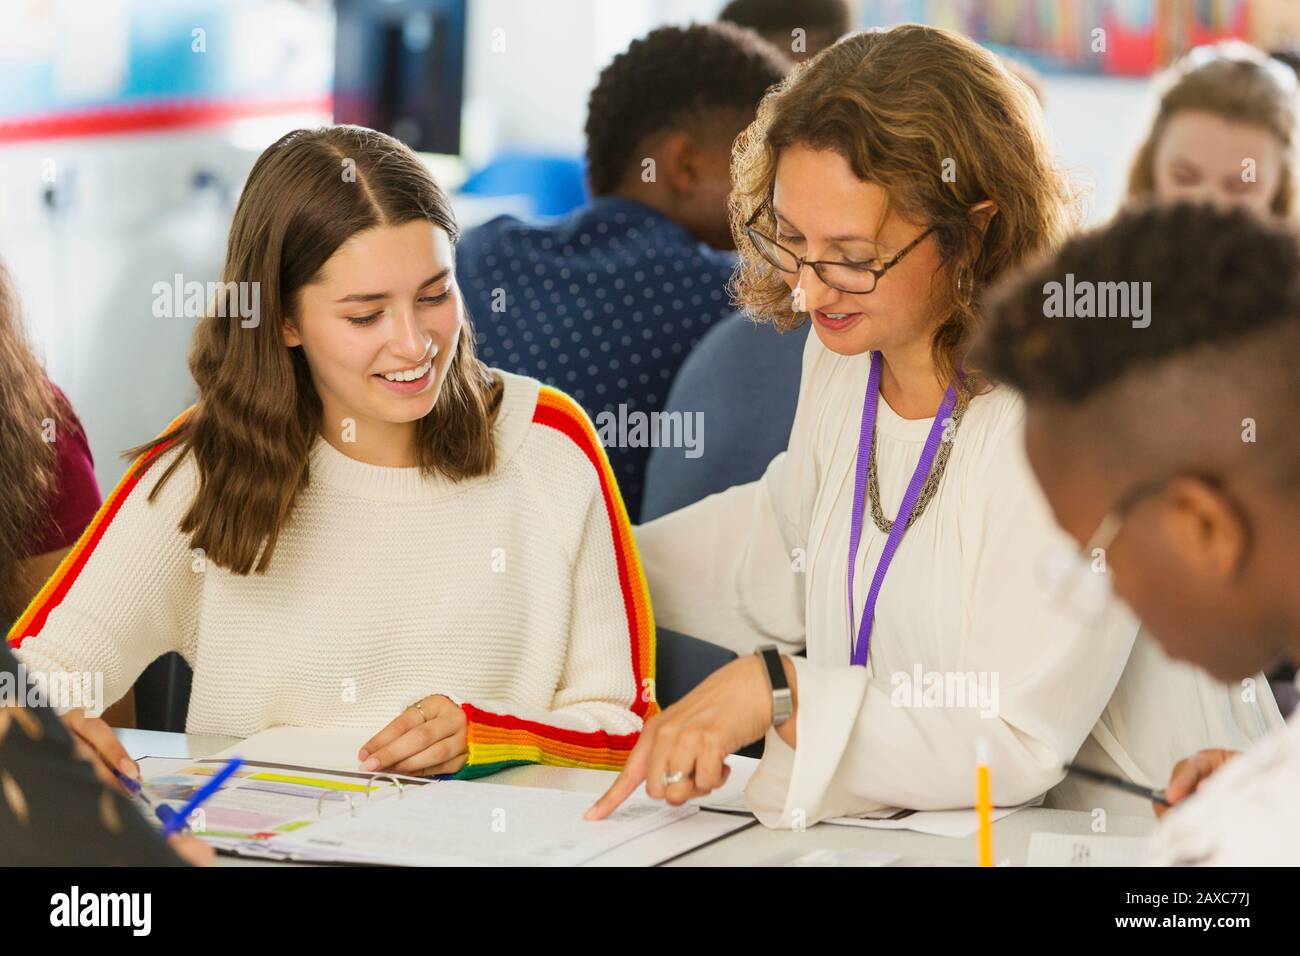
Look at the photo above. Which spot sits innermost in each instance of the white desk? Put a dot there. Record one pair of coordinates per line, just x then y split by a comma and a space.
747, 847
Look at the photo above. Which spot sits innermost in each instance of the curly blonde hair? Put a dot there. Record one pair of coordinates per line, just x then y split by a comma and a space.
938, 122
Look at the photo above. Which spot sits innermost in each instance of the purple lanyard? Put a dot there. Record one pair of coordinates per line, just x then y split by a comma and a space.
865, 437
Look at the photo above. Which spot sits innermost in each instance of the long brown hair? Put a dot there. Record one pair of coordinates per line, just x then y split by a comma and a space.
904, 106
1237, 83
27, 461
258, 413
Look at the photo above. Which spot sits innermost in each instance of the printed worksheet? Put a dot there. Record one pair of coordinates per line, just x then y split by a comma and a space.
1069, 849
471, 823
261, 801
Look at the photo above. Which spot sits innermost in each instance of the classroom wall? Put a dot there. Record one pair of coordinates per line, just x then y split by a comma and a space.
527, 67
90, 221
127, 211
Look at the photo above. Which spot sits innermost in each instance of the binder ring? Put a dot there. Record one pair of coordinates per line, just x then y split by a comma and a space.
352, 810
371, 783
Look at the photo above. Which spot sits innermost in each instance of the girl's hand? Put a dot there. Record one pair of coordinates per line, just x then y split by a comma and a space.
689, 742
425, 739
95, 741
1188, 774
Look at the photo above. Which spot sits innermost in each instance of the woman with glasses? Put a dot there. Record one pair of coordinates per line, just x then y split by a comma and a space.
900, 538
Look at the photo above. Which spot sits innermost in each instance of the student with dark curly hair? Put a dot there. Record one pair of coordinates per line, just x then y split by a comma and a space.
1170, 449
802, 28
607, 302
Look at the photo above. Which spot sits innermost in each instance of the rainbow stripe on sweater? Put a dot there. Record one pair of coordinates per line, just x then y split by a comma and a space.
497, 741
51, 595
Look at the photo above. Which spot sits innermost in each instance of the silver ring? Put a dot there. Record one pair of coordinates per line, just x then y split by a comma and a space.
671, 778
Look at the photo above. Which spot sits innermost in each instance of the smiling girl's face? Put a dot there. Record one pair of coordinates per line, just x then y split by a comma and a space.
379, 326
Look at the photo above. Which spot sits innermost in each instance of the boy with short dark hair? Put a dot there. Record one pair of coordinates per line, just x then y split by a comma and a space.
607, 302
1167, 445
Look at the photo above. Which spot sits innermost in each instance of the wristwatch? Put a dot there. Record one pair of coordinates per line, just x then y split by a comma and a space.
782, 702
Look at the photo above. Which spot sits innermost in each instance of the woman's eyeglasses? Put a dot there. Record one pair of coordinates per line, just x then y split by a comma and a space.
856, 278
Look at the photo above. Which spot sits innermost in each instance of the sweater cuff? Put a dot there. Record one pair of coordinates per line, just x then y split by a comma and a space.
497, 741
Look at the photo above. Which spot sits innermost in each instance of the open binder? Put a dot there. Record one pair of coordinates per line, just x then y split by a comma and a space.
279, 811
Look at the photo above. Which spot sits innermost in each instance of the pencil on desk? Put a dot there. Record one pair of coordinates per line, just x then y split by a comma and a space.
984, 802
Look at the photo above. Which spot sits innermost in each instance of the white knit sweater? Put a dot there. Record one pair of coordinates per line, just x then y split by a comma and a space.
519, 595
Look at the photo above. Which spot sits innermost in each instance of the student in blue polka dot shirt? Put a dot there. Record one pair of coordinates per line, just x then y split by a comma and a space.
606, 302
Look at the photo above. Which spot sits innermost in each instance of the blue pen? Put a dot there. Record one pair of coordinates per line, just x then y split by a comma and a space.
163, 812
178, 817
132, 786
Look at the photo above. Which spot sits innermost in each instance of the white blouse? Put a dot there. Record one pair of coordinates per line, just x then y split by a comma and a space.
968, 641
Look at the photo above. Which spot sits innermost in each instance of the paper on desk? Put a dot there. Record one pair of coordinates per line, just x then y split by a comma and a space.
952, 823
303, 747
259, 801
826, 856
472, 823
245, 821
677, 839
1069, 849
730, 798
337, 750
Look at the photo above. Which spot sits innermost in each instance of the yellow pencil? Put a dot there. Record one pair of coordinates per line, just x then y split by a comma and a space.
984, 801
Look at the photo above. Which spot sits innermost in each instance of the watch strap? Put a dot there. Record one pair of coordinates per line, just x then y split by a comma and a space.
782, 699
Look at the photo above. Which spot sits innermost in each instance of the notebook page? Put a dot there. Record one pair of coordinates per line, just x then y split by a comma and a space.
471, 823
259, 802
1069, 849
